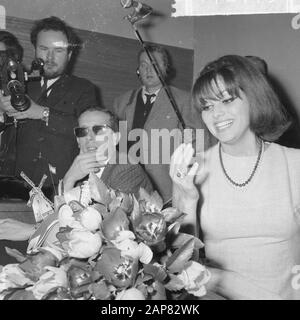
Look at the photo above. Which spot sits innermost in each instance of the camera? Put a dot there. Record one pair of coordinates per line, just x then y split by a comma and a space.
13, 78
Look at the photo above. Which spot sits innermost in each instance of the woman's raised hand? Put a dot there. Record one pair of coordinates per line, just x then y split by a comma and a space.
184, 175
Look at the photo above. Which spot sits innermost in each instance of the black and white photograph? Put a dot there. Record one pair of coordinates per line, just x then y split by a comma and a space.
149, 151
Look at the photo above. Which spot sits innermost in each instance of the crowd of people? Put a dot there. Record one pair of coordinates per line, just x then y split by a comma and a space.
241, 194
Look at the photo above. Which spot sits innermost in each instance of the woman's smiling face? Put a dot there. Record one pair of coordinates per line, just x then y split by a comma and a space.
227, 117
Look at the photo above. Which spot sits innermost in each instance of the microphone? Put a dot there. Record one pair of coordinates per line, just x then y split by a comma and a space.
129, 3
140, 12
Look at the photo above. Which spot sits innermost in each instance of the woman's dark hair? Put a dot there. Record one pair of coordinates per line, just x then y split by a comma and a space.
259, 63
12, 44
55, 24
268, 117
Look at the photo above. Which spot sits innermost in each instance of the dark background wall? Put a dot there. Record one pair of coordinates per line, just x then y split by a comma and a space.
108, 61
107, 16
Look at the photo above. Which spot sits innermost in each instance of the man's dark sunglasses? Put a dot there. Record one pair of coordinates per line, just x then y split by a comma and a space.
81, 132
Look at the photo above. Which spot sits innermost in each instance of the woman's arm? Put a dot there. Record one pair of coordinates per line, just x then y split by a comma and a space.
227, 283
185, 192
15, 230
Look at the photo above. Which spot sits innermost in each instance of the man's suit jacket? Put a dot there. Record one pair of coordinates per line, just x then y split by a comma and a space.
32, 145
161, 116
128, 178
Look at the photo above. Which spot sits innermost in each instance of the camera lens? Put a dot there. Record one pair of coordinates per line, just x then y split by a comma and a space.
18, 98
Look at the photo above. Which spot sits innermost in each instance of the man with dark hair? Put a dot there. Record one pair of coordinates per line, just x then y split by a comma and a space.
54, 24
43, 137
97, 142
148, 108
97, 136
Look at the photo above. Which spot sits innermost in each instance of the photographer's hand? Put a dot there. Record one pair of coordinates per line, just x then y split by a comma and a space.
34, 112
5, 105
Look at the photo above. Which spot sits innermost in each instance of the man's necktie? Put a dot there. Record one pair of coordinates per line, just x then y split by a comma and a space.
148, 104
43, 93
44, 86
142, 115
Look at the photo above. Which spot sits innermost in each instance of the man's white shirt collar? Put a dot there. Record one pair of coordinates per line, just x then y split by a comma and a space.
100, 172
49, 83
144, 92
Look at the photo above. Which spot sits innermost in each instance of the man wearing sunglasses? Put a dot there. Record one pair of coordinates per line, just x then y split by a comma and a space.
97, 136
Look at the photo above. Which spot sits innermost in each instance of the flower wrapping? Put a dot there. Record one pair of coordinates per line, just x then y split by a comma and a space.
110, 246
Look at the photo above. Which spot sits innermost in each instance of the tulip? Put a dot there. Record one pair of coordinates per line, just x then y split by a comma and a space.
66, 218
130, 294
82, 244
98, 190
140, 251
101, 208
118, 270
90, 219
150, 202
35, 265
194, 277
12, 276
52, 278
151, 228
20, 294
114, 223
86, 218
79, 280
82, 193
78, 276
123, 201
100, 290
58, 293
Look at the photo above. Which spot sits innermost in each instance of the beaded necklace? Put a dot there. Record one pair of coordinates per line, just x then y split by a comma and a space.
252, 173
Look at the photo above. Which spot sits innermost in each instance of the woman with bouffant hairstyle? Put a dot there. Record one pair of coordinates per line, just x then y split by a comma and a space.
268, 118
249, 185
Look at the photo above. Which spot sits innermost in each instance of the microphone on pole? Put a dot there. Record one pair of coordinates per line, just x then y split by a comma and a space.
140, 10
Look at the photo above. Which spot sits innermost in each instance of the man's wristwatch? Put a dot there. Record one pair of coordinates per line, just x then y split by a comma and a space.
45, 115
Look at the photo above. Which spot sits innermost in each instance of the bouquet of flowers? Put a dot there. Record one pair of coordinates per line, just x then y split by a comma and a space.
110, 245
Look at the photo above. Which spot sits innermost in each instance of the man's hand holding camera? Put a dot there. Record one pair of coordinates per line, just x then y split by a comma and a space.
5, 105
34, 112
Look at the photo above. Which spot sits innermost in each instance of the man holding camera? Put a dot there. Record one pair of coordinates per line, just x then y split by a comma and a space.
43, 137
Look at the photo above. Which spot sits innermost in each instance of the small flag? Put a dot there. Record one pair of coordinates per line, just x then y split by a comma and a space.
52, 169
